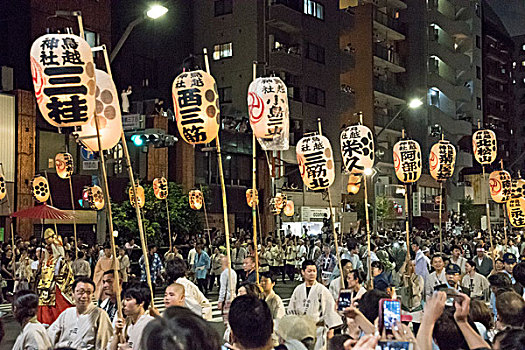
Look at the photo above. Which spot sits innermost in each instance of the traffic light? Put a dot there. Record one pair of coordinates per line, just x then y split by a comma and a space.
155, 137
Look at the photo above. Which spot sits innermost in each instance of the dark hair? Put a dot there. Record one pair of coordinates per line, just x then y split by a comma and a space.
519, 273
175, 269
307, 263
251, 258
447, 334
378, 264
471, 263
112, 272
455, 246
180, 329
351, 245
151, 246
344, 262
357, 275
372, 247
25, 305
511, 339
338, 341
270, 276
83, 279
511, 309
81, 254
253, 290
500, 280
480, 312
250, 321
437, 255
368, 304
140, 293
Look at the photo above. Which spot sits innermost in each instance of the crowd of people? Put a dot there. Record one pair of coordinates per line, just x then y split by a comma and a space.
464, 294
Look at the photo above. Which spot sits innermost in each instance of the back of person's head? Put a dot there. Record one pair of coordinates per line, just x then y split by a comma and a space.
180, 329
518, 272
140, 293
25, 305
175, 269
500, 280
511, 309
510, 339
338, 341
253, 290
378, 264
250, 322
369, 303
447, 334
480, 312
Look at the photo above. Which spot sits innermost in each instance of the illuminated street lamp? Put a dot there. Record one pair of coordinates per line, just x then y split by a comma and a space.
413, 104
155, 11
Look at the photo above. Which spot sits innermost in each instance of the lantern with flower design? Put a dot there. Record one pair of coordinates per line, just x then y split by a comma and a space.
196, 199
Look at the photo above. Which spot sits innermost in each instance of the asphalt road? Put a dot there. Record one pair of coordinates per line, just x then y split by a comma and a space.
12, 329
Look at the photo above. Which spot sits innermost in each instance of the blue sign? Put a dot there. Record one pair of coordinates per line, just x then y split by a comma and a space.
86, 154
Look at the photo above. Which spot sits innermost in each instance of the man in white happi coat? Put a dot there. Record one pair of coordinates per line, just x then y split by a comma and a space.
84, 326
436, 278
313, 299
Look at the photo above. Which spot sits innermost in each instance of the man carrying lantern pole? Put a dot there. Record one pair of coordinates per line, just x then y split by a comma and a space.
442, 160
357, 150
407, 165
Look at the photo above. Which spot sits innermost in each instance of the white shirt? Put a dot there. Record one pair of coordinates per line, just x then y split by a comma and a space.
191, 256
134, 331
225, 290
194, 299
33, 337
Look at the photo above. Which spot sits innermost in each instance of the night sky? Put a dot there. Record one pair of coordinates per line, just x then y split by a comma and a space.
512, 14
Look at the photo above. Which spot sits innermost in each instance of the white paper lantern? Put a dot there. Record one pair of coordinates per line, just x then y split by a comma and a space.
316, 162
40, 188
357, 148
64, 165
140, 194
485, 146
407, 161
516, 211
500, 183
442, 160
196, 199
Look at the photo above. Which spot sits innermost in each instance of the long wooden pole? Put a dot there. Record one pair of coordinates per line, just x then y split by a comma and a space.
254, 189
169, 224
440, 217
206, 218
137, 209
369, 262
224, 200
487, 207
74, 217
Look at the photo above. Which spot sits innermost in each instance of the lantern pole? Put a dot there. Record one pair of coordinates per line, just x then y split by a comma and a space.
74, 218
440, 217
206, 216
504, 211
223, 190
407, 214
137, 209
254, 188
11, 223
169, 224
51, 200
334, 232
487, 206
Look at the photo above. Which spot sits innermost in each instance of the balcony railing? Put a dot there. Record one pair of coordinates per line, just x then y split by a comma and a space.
389, 88
387, 54
388, 21
382, 120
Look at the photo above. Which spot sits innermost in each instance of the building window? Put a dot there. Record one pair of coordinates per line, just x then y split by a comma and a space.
315, 53
478, 9
315, 96
478, 103
478, 41
223, 7
225, 94
313, 8
523, 47
523, 63
92, 38
514, 64
221, 51
434, 97
478, 72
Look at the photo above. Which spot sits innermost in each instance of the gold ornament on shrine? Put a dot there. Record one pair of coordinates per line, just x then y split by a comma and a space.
3, 187
485, 146
196, 103
252, 197
64, 79
269, 113
289, 209
40, 188
316, 162
95, 197
140, 194
354, 183
107, 112
500, 183
160, 188
516, 211
442, 160
407, 161
357, 149
64, 165
196, 199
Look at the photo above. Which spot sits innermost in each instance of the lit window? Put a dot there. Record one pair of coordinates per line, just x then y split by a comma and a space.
523, 47
313, 8
523, 63
221, 51
514, 64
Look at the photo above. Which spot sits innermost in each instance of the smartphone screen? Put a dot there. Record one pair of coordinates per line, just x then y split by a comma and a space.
345, 299
391, 313
394, 345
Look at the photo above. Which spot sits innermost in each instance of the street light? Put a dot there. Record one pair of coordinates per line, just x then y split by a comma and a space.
155, 11
413, 104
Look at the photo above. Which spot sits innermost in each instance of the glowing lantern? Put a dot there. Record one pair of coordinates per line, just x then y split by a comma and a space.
3, 187
289, 208
280, 200
269, 113
196, 103
160, 188
357, 148
64, 165
354, 183
500, 184
442, 160
316, 162
108, 114
252, 197
516, 211
407, 160
64, 79
140, 194
196, 199
517, 188
485, 146
273, 208
40, 188
95, 197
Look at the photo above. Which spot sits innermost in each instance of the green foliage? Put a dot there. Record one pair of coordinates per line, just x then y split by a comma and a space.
385, 208
183, 219
472, 211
